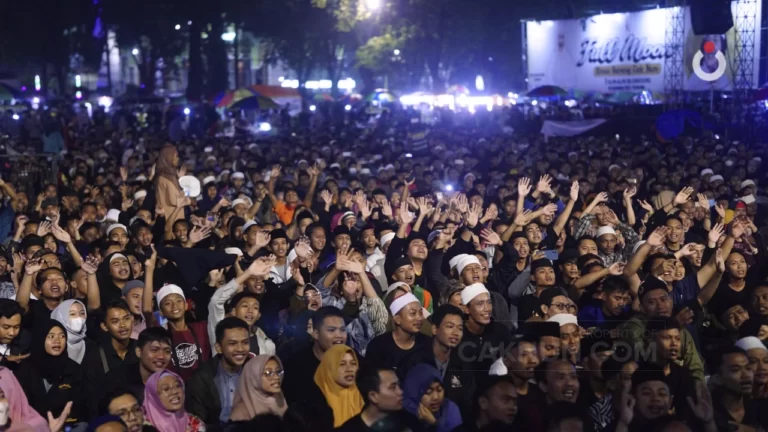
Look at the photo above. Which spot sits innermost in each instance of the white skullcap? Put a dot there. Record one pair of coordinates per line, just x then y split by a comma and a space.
401, 302
706, 171
210, 158
335, 165
757, 159
353, 170
472, 291
248, 224
302, 161
365, 171
238, 175
459, 161
209, 179
116, 226
141, 177
612, 166
749, 199
386, 238
715, 178
498, 368
168, 290
747, 183
389, 167
116, 256
564, 318
750, 342
112, 214
468, 175
396, 285
455, 260
234, 251
238, 201
139, 194
208, 149
605, 230
465, 261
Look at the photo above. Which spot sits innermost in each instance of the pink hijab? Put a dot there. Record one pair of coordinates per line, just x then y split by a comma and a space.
250, 398
154, 411
23, 417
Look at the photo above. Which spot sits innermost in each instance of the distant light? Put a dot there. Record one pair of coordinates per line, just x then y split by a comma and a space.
23, 88
78, 81
489, 107
187, 111
36, 100
289, 83
178, 27
534, 103
105, 101
312, 108
348, 107
281, 79
479, 83
228, 36
396, 52
135, 51
408, 155
346, 84
618, 137
373, 5
37, 82
265, 127
570, 103
717, 136
448, 188
15, 116
189, 22
78, 94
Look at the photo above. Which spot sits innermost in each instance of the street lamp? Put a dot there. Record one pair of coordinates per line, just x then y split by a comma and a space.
178, 27
397, 52
135, 51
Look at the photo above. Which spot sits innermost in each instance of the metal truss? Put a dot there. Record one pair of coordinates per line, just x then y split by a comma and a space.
674, 40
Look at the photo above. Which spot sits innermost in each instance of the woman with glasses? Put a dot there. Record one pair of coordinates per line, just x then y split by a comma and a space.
164, 404
259, 390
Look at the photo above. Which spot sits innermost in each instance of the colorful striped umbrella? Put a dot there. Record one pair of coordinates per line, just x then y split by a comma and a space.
231, 97
547, 91
322, 97
253, 103
381, 95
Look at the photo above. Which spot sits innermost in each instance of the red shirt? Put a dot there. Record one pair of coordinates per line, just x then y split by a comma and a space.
190, 349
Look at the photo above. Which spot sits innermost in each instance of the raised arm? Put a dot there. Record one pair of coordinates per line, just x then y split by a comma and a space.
64, 237
273, 176
523, 189
8, 190
149, 273
656, 239
599, 199
25, 289
90, 266
314, 173
615, 269
562, 220
627, 198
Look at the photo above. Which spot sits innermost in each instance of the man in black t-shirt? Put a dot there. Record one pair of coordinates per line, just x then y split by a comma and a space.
390, 349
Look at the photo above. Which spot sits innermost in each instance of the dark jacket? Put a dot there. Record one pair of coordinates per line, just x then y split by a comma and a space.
69, 387
18, 346
127, 377
202, 395
95, 371
480, 351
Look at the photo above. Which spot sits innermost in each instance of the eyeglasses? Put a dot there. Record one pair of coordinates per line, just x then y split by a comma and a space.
126, 413
170, 390
274, 373
564, 306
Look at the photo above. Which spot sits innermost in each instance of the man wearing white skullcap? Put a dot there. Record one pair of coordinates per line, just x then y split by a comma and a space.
469, 270
390, 349
570, 335
757, 354
482, 337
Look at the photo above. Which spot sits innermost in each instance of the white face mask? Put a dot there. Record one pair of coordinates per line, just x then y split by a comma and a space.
77, 324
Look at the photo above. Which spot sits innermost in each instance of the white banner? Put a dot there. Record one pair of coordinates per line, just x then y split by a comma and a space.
569, 128
626, 52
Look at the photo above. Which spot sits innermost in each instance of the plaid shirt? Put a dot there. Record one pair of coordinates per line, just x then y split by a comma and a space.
584, 227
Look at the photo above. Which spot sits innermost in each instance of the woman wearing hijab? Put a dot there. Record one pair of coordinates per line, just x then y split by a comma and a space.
164, 404
49, 377
168, 191
335, 377
424, 397
71, 314
259, 389
21, 415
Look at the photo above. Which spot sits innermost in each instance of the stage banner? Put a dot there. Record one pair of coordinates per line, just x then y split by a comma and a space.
569, 128
626, 52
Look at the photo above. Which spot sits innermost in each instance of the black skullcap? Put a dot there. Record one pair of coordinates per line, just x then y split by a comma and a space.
341, 230
305, 214
49, 202
568, 255
31, 240
277, 234
540, 263
723, 302
517, 235
402, 262
647, 372
658, 324
543, 328
582, 260
651, 283
548, 294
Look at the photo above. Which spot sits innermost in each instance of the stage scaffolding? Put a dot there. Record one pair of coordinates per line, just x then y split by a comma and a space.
746, 30
674, 41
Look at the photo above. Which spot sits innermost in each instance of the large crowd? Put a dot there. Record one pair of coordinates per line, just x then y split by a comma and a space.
381, 275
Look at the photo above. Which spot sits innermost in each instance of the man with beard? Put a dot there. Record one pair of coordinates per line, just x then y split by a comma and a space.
122, 403
133, 291
389, 350
447, 330
542, 277
153, 350
496, 407
482, 337
655, 302
519, 363
328, 329
211, 389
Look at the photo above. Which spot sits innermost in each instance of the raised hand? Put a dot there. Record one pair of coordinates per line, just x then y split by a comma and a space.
737, 230
574, 195
720, 211
124, 173
215, 276
703, 201
262, 239
127, 203
629, 193
684, 317
44, 228
657, 237
715, 233
90, 265
56, 424
474, 215
151, 262
261, 266
523, 187
544, 184
159, 211
33, 266
406, 217
626, 408
61, 234
521, 219
646, 206
326, 196
490, 237
365, 208
198, 234
275, 172
349, 265
701, 407
386, 209
491, 213
303, 248
617, 268
600, 198
549, 209
684, 195
611, 218
688, 250
182, 171
314, 171
18, 262
296, 273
